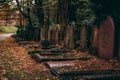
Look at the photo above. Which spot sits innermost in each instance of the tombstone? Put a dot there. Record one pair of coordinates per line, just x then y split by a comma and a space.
72, 27
53, 36
49, 33
69, 38
106, 38
94, 41
83, 38
66, 39
36, 34
57, 34
45, 44
43, 33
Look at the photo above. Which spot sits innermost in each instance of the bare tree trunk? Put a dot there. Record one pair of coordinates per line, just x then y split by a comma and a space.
40, 15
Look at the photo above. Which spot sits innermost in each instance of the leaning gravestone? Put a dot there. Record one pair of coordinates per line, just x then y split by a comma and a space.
106, 38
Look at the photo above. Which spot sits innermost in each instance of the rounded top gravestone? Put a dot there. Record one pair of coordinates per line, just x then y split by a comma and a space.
106, 38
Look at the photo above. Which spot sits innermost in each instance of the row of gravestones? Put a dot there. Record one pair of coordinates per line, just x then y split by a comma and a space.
102, 38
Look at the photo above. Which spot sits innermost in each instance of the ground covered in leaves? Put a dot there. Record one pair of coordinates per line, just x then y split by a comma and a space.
16, 64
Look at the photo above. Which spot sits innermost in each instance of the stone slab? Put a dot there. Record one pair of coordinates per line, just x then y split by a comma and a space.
87, 75
63, 57
60, 63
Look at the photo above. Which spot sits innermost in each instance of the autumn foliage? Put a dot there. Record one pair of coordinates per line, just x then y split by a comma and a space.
16, 64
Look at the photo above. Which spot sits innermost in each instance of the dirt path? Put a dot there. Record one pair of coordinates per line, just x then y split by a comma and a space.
4, 36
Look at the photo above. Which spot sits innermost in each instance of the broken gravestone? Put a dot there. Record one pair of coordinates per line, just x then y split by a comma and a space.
106, 38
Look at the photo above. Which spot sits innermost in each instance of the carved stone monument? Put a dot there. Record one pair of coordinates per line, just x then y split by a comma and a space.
106, 38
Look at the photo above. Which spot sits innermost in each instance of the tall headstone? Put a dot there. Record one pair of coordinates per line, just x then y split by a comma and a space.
106, 38
83, 38
53, 36
57, 33
66, 39
94, 41
43, 33
69, 38
49, 33
36, 34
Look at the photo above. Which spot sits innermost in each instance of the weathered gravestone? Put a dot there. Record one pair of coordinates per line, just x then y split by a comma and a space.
83, 38
53, 36
43, 33
69, 38
94, 41
66, 37
57, 34
49, 33
36, 34
106, 38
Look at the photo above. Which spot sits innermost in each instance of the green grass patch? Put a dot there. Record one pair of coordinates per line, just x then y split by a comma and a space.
7, 29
